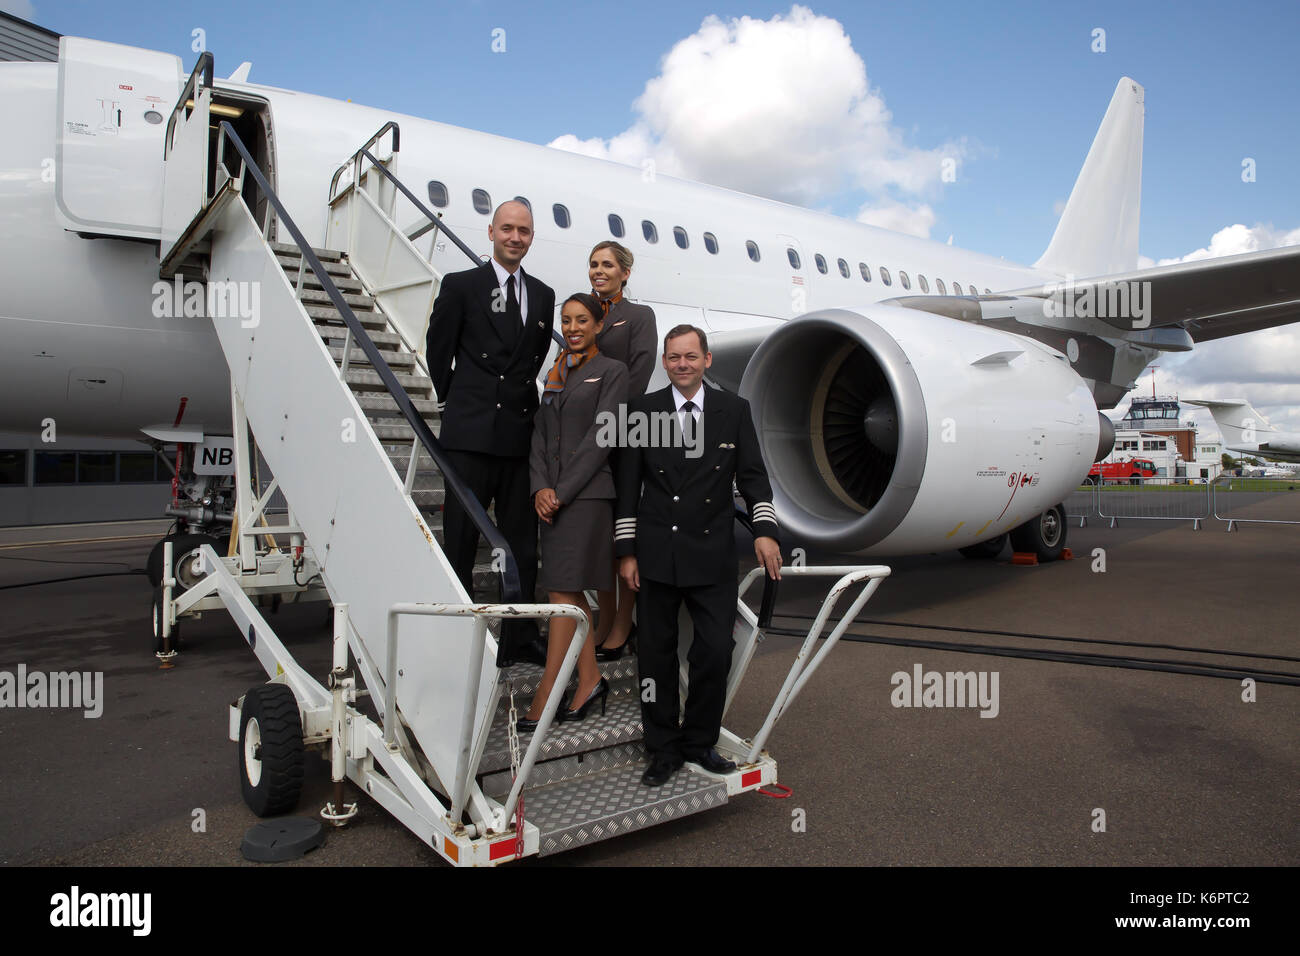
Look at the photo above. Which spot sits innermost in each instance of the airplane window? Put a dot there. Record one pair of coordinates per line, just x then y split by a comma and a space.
561, 215
616, 225
884, 276
482, 202
865, 270
711, 243
793, 257
679, 234
821, 263
438, 194
649, 231
925, 286
752, 248
956, 289
902, 278
844, 268
524, 200
943, 290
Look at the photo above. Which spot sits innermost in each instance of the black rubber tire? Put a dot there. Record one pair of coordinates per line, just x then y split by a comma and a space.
276, 754
1135, 481
985, 550
1090, 480
155, 615
182, 544
1044, 535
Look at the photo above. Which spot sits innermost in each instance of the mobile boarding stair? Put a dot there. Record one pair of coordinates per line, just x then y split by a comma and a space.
329, 382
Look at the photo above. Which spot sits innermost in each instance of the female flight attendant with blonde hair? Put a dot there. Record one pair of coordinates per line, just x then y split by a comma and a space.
630, 336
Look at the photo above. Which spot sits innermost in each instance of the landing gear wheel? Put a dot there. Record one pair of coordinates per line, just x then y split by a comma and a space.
270, 750
985, 550
1043, 536
157, 617
183, 548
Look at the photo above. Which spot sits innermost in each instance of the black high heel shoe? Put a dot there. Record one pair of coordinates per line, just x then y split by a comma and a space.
601, 691
604, 653
525, 726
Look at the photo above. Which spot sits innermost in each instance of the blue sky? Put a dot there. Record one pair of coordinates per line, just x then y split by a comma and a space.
1014, 88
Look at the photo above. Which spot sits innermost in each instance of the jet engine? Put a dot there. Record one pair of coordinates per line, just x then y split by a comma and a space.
889, 430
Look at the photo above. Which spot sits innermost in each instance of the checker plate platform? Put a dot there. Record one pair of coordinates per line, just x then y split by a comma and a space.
603, 805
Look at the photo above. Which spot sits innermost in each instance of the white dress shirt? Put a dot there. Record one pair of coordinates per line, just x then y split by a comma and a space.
679, 400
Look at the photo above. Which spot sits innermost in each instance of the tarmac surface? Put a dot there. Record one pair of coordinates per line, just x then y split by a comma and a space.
1184, 770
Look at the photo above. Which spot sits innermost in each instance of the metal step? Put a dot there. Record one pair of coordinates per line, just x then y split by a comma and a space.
386, 341
620, 724
395, 360
382, 402
343, 281
290, 265
602, 805
321, 297
291, 250
359, 378
368, 318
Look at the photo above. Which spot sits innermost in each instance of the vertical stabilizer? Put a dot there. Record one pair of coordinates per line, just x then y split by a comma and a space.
1098, 232
1238, 422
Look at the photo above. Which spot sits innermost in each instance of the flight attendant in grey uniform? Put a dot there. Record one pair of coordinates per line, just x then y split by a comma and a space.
573, 493
629, 336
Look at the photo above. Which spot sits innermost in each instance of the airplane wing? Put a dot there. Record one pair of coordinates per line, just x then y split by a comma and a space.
1210, 298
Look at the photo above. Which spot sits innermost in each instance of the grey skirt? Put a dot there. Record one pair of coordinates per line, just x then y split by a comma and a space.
578, 547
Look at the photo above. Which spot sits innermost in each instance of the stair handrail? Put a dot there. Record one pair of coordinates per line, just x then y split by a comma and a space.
510, 584
379, 134
205, 67
768, 602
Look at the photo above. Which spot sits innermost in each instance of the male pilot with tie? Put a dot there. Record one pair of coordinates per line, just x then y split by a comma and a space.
494, 323
673, 534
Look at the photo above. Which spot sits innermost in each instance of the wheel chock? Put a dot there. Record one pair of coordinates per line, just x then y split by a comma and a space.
1067, 554
288, 838
1024, 557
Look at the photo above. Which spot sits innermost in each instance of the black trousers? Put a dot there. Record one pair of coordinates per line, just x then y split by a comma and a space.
503, 481
713, 615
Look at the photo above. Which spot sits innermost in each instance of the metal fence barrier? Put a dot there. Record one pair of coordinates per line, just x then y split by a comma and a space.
1081, 504
1156, 498
1231, 494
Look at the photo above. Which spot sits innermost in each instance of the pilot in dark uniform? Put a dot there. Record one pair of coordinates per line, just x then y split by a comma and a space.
673, 533
497, 329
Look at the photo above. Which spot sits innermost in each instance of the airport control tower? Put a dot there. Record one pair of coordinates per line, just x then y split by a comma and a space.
1159, 415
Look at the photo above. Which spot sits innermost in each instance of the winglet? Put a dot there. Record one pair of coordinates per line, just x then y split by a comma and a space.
1098, 232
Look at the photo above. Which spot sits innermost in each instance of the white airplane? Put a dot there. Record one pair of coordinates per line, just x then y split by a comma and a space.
911, 396
1247, 431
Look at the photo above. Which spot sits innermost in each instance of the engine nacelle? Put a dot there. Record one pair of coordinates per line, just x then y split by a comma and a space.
895, 431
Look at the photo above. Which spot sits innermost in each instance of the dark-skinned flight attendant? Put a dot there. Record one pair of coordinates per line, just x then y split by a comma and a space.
630, 336
573, 493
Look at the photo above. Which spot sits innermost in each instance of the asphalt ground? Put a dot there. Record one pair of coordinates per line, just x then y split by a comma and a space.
1183, 769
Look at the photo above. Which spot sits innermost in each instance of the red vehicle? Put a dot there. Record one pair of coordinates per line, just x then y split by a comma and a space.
1114, 472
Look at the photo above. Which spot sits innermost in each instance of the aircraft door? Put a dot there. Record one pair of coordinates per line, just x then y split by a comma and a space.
114, 102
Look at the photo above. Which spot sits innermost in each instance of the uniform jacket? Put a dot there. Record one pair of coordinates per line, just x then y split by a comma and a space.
491, 393
570, 453
630, 336
676, 514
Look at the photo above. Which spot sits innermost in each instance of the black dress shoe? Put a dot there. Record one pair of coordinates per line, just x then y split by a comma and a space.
660, 769
604, 653
713, 762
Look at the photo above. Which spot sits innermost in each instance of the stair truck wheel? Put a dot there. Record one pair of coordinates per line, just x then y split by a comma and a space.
985, 550
270, 750
183, 548
1043, 535
156, 615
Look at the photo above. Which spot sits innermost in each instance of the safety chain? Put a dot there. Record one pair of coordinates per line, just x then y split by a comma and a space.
512, 736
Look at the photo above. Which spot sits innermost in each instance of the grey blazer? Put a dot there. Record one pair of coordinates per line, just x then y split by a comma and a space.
565, 454
631, 337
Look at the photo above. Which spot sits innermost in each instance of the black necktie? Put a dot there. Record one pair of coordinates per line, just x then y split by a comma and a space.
512, 305
688, 423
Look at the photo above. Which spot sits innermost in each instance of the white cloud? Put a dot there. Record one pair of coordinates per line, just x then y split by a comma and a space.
1262, 367
780, 108
19, 8
899, 217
